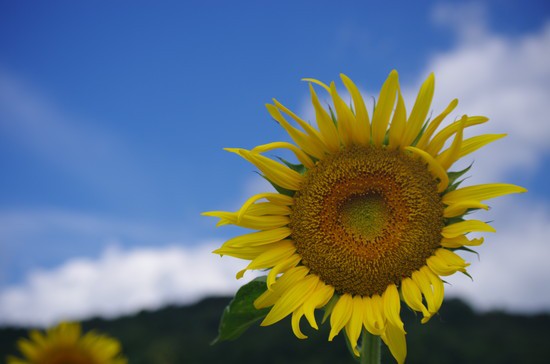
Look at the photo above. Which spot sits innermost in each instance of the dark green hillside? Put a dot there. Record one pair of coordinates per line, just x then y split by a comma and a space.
181, 335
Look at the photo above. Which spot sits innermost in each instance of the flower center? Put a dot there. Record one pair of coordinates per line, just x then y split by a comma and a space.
365, 218
67, 354
365, 215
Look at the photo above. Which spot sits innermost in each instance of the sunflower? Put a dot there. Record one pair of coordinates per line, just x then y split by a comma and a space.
368, 218
64, 344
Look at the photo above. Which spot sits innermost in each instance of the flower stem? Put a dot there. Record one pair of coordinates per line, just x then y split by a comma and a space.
370, 348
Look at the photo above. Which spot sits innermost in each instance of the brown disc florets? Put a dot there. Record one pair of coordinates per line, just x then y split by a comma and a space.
367, 217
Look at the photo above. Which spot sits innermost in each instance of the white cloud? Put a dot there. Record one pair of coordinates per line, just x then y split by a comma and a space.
508, 80
468, 20
119, 282
38, 237
512, 272
504, 78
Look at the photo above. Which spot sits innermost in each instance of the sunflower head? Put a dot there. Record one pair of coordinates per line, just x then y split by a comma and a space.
65, 344
368, 217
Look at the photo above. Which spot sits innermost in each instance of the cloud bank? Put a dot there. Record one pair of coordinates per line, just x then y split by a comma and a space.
504, 78
508, 80
119, 282
511, 272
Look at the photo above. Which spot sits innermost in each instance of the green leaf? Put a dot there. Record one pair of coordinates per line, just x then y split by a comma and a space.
453, 179
350, 349
466, 249
300, 168
332, 116
329, 306
422, 130
468, 275
453, 176
454, 220
240, 314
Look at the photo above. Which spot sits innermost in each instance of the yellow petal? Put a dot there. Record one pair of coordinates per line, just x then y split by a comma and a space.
341, 314
71, 331
38, 338
275, 198
258, 238
280, 253
277, 173
291, 300
419, 111
27, 348
445, 263
346, 120
355, 324
13, 360
302, 157
447, 158
397, 126
287, 281
296, 316
432, 288
282, 267
460, 208
459, 241
255, 210
440, 138
307, 143
434, 124
472, 144
434, 167
104, 347
267, 208
317, 82
250, 210
373, 318
303, 124
319, 298
384, 108
361, 113
394, 337
438, 288
464, 227
423, 283
249, 222
413, 296
392, 306
328, 130
481, 192
450, 257
244, 252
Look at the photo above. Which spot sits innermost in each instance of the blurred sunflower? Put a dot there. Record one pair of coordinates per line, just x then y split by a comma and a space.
64, 344
369, 217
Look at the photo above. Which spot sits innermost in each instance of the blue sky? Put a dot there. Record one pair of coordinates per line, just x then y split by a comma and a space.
113, 116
